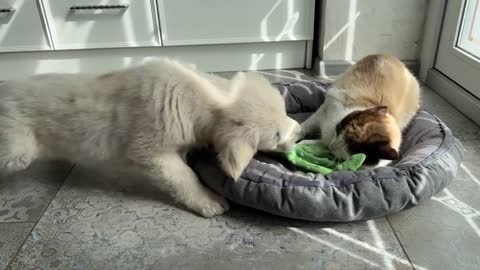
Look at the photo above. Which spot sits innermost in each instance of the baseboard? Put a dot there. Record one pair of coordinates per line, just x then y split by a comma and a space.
333, 68
211, 58
454, 94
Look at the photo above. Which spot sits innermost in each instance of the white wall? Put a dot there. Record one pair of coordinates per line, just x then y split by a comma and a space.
355, 28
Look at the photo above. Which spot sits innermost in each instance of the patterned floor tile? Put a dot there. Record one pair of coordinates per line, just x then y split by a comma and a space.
461, 126
25, 195
444, 233
12, 236
99, 222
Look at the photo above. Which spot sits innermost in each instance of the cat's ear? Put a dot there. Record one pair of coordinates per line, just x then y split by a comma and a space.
380, 110
388, 153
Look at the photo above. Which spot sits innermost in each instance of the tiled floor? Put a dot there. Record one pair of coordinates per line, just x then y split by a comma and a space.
53, 217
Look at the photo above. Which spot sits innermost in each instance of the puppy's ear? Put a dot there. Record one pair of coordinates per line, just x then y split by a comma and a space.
235, 156
388, 153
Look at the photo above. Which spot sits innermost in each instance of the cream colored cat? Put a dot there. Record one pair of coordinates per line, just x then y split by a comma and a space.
366, 110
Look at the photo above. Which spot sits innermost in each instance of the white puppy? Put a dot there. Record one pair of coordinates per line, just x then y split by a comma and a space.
146, 117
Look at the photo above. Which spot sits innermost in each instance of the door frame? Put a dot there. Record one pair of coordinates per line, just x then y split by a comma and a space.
448, 89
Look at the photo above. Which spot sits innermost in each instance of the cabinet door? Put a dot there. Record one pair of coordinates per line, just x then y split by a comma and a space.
102, 23
21, 26
185, 22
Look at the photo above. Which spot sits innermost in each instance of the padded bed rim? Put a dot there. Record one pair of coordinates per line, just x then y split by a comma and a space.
410, 175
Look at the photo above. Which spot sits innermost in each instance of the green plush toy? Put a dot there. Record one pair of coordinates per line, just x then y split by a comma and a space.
317, 158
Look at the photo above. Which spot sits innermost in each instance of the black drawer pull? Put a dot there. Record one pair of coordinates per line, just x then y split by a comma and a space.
7, 10
95, 7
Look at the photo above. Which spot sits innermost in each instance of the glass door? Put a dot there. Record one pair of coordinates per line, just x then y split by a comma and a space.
459, 49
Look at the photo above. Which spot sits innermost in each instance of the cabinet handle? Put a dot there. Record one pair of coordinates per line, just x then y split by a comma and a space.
93, 7
7, 10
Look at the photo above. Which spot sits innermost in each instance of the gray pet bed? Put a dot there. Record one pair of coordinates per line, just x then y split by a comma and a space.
429, 161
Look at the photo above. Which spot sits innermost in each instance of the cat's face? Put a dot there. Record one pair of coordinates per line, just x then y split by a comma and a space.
373, 132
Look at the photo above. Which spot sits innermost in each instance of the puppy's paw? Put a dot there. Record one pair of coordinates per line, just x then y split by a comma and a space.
211, 205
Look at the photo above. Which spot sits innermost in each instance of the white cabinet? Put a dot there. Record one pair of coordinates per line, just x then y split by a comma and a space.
188, 22
21, 27
102, 23
225, 35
